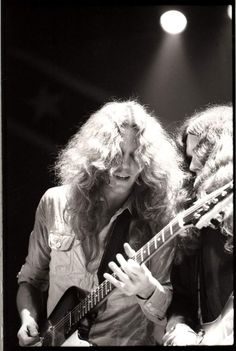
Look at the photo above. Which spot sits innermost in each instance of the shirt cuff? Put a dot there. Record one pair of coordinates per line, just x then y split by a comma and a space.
157, 303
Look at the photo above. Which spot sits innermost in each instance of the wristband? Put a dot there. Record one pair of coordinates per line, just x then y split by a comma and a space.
145, 298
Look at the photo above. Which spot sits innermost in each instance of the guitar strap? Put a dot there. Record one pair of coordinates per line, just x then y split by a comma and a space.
117, 236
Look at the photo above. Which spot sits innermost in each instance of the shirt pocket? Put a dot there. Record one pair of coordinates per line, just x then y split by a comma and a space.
61, 252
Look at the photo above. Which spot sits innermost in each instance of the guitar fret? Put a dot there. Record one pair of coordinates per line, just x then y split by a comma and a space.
105, 288
78, 311
153, 247
89, 303
163, 235
94, 299
96, 296
70, 320
148, 248
155, 242
141, 252
109, 286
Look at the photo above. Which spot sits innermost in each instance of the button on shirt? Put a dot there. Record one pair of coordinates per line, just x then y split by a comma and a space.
56, 261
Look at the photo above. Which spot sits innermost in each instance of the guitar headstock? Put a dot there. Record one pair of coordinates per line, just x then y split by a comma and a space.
205, 219
209, 207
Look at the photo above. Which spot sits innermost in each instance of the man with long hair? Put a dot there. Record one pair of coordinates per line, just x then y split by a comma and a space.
120, 161
203, 274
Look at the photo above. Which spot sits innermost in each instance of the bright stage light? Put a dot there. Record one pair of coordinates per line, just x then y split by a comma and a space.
229, 11
173, 22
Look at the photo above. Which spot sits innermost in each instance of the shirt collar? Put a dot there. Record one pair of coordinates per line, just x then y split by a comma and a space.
126, 205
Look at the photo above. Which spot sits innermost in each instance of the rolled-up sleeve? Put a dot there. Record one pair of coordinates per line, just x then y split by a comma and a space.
35, 270
155, 307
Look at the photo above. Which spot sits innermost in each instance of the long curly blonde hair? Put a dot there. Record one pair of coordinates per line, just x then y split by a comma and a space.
214, 126
94, 152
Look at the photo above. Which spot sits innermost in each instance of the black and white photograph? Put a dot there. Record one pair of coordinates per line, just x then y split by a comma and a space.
117, 174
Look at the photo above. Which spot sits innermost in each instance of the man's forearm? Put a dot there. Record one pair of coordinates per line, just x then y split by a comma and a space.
28, 301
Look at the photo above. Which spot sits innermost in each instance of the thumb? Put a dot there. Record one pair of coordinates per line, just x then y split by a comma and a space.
146, 270
33, 330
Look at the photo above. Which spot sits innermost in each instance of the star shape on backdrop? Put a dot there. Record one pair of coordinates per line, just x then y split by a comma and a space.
45, 104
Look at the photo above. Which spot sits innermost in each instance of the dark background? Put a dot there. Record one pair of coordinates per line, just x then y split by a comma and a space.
62, 61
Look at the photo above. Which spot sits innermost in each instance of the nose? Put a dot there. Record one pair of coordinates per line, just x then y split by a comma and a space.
192, 167
125, 162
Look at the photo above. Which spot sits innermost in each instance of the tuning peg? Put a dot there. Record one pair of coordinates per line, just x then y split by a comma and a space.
215, 200
223, 193
213, 224
205, 207
217, 220
219, 217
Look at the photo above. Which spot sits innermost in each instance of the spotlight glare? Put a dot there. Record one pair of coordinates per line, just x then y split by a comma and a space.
173, 22
229, 11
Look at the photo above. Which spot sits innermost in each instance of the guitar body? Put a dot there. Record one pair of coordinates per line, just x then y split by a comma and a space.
74, 340
220, 331
54, 333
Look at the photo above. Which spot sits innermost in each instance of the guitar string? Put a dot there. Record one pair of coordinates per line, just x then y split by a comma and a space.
139, 255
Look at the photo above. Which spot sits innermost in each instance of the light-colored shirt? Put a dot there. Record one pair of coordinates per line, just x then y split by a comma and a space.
56, 261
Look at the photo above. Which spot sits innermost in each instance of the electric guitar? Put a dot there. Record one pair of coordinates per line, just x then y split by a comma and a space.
73, 313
